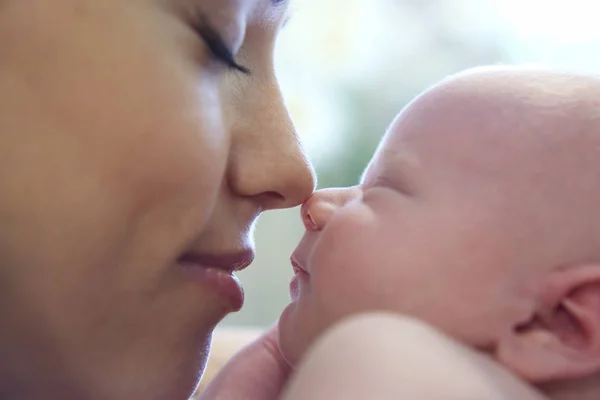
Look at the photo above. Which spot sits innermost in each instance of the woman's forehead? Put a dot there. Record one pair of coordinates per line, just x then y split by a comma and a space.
240, 4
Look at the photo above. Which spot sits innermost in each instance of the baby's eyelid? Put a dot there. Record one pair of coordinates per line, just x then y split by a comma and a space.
396, 184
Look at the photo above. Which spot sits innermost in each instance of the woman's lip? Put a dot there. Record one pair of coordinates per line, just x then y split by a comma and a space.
230, 262
217, 280
215, 273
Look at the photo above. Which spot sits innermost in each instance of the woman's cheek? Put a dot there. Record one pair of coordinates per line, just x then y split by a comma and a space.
186, 156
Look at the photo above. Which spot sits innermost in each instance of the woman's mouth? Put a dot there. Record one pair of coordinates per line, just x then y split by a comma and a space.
216, 273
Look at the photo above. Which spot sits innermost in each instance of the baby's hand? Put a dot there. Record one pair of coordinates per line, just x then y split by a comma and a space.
257, 372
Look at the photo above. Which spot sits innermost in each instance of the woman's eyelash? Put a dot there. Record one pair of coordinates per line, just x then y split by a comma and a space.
216, 44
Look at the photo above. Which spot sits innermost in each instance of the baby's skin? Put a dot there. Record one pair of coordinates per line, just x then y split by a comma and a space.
478, 216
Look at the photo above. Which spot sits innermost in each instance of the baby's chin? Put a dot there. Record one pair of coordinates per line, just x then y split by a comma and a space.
295, 335
289, 343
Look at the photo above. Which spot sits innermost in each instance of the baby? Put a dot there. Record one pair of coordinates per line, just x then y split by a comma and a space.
479, 215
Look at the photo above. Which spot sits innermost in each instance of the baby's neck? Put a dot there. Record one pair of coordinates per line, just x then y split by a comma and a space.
573, 396
584, 389
507, 385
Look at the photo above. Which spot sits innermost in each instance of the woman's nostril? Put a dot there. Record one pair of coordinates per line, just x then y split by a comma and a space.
275, 196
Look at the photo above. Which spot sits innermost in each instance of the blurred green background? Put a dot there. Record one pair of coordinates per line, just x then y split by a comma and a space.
346, 67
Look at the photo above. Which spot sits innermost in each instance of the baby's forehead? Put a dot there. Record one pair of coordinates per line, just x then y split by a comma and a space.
526, 153
392, 158
496, 118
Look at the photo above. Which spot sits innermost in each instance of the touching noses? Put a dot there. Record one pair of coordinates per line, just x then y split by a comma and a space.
319, 208
267, 162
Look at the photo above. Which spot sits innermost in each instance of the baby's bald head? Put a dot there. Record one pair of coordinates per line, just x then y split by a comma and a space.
527, 141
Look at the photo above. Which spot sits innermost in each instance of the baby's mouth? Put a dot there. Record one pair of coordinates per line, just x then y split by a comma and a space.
300, 273
297, 267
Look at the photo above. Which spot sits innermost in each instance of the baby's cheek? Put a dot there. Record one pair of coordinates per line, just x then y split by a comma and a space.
341, 268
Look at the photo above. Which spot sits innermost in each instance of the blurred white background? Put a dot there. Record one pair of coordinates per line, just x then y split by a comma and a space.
346, 67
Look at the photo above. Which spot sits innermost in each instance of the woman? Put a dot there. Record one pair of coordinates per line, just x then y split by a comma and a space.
139, 141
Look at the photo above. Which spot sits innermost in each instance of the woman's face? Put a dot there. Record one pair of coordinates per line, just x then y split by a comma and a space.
126, 144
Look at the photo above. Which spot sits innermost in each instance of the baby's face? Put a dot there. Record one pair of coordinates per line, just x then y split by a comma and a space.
431, 231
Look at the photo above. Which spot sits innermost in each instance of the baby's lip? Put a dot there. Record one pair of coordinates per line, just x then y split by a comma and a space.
297, 266
300, 255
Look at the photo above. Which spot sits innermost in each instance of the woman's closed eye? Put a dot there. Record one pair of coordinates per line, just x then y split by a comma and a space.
215, 43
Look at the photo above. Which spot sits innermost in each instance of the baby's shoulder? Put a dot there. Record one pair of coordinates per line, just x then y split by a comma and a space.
381, 356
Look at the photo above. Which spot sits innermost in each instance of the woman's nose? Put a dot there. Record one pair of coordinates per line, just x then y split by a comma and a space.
319, 208
267, 161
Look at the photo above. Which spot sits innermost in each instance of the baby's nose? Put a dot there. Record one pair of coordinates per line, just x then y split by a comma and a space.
319, 207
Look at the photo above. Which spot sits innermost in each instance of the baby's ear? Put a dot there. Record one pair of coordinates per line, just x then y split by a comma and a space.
562, 340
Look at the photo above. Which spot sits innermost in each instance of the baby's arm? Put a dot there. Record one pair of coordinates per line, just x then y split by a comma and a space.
382, 356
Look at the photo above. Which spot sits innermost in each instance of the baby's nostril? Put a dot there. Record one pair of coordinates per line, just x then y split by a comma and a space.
309, 222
